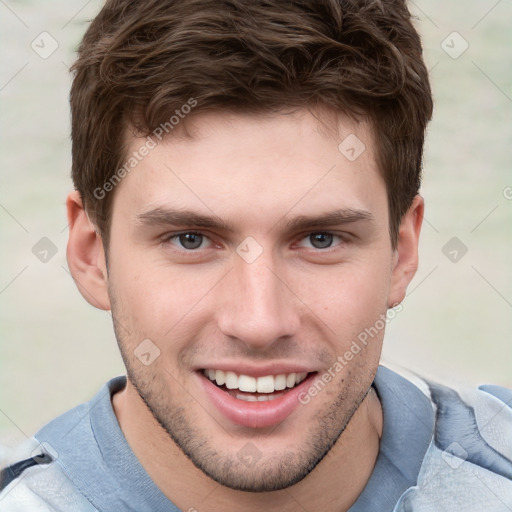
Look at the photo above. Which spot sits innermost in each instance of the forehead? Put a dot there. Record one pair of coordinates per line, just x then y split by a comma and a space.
253, 167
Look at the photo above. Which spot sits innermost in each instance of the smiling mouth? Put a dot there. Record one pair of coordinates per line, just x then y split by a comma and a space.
254, 389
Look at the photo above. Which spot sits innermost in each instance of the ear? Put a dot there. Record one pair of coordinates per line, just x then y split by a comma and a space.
405, 259
85, 254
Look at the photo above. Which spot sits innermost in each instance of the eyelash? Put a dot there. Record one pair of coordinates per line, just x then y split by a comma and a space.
168, 238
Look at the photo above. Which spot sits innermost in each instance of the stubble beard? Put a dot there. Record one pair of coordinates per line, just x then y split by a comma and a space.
271, 472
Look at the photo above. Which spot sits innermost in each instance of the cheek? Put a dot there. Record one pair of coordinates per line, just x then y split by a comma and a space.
348, 300
156, 300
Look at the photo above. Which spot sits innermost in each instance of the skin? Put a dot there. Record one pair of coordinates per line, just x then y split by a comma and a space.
294, 304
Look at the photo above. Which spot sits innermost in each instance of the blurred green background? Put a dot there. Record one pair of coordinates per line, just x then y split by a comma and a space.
456, 323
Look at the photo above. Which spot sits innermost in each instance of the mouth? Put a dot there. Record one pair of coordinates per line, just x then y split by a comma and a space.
254, 389
251, 401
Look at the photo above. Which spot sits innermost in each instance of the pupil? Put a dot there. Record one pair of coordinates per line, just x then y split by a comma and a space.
321, 240
191, 240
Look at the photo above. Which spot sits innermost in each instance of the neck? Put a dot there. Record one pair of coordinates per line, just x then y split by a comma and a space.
334, 485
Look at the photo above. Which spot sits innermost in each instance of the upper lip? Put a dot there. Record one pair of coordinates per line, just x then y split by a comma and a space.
273, 368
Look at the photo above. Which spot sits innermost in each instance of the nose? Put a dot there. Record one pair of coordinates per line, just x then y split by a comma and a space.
258, 307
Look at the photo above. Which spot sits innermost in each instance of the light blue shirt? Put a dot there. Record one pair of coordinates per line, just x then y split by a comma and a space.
440, 451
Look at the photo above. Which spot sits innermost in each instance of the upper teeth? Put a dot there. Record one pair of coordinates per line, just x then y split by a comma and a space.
266, 384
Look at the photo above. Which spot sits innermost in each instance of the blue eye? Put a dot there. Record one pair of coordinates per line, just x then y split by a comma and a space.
189, 241
321, 240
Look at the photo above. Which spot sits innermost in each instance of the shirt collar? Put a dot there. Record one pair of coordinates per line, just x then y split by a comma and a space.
408, 429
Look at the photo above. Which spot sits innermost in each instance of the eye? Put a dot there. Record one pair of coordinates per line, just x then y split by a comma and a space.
189, 241
320, 240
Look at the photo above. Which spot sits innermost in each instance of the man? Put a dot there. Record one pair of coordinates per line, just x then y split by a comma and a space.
247, 207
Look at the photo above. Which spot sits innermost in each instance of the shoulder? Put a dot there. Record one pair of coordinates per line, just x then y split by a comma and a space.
34, 481
41, 475
468, 465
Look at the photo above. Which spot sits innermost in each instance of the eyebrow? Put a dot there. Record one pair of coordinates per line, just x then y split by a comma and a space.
334, 218
172, 217
186, 218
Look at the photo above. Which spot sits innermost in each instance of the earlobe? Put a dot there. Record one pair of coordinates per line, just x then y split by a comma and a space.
405, 262
85, 254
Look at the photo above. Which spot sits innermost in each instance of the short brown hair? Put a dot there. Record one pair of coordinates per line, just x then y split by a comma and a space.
141, 60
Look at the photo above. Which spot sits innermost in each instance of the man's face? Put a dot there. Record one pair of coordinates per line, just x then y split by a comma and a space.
254, 247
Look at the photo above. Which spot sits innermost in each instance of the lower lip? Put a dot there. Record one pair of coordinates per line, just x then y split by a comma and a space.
255, 414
